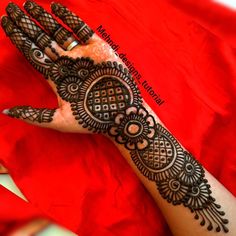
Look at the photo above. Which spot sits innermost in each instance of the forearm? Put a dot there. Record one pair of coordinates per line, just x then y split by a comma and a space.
178, 184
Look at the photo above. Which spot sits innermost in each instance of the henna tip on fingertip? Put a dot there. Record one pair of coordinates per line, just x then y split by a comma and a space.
27, 1
2, 17
53, 5
3, 20
6, 111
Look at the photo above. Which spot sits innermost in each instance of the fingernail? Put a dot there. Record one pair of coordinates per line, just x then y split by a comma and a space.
6, 111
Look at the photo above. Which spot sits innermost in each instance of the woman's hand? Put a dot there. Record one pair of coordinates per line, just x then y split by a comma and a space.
96, 93
88, 78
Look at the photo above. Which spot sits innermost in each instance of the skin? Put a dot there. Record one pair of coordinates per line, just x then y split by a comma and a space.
178, 217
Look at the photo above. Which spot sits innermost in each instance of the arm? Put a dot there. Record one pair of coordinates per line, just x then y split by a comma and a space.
180, 186
96, 93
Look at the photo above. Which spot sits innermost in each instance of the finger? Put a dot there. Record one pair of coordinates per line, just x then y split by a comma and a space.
34, 32
57, 31
43, 117
33, 54
58, 119
78, 26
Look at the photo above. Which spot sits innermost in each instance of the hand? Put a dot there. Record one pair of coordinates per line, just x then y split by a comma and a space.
88, 78
96, 93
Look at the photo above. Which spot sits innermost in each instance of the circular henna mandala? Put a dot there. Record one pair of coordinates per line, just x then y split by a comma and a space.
60, 69
69, 89
108, 90
192, 171
199, 196
83, 67
65, 66
173, 191
134, 128
163, 159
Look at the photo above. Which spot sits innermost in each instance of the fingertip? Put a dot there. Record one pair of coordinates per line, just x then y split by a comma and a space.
25, 3
2, 17
10, 7
30, 7
28, 4
54, 6
3, 20
6, 111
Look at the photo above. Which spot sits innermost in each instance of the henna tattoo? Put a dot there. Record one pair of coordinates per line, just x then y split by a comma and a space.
33, 31
40, 115
134, 128
57, 31
104, 98
96, 92
33, 54
179, 178
81, 29
162, 159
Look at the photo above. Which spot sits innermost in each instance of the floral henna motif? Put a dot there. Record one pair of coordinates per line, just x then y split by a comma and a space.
134, 128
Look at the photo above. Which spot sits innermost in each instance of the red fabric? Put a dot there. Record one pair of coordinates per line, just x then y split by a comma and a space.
14, 212
82, 181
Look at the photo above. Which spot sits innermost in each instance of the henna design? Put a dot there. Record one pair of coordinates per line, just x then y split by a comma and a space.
69, 89
96, 92
30, 28
179, 178
104, 98
57, 31
81, 29
134, 128
40, 115
34, 55
162, 159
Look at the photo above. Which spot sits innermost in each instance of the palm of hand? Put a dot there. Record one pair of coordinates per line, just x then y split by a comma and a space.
90, 81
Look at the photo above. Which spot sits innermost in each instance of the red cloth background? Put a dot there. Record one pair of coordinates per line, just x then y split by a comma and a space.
186, 52
14, 212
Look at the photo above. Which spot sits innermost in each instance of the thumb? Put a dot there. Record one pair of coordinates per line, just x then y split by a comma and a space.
42, 117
